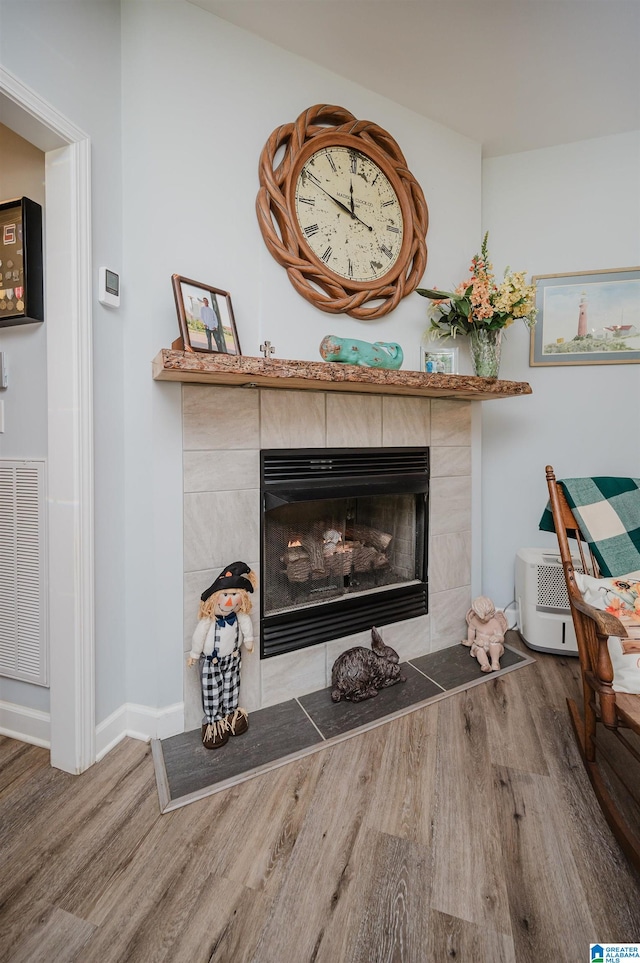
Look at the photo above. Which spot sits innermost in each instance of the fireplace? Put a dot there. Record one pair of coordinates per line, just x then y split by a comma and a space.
344, 542
223, 516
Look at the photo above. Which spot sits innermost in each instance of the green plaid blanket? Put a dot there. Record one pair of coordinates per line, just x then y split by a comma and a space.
608, 512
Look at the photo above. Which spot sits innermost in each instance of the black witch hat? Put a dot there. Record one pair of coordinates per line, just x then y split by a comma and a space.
231, 577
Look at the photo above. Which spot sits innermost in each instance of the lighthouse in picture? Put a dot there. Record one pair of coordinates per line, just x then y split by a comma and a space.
582, 316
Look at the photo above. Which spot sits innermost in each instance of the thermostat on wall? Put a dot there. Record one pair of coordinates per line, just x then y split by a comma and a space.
109, 288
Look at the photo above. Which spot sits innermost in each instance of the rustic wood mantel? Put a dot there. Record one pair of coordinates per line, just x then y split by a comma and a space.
224, 369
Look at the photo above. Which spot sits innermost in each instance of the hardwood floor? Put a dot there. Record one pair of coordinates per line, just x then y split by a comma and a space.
464, 831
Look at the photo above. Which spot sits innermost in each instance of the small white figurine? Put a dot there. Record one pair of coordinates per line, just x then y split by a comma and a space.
486, 633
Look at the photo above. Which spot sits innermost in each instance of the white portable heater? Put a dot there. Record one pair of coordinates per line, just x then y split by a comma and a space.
543, 604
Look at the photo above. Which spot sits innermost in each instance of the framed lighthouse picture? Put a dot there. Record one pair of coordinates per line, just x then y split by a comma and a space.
592, 317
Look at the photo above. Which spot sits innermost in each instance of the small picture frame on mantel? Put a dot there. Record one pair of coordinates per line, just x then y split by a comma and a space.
21, 264
436, 360
205, 317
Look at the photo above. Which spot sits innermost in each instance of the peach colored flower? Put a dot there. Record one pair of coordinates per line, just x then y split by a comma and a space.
479, 303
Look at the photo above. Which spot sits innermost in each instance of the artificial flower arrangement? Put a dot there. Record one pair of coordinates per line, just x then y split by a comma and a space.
478, 303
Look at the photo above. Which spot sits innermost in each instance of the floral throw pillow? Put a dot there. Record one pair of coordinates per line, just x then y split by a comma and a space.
621, 597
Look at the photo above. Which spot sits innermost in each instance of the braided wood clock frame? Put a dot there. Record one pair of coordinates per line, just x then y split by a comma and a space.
310, 277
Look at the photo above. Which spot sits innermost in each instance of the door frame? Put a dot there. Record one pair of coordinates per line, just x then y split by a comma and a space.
70, 505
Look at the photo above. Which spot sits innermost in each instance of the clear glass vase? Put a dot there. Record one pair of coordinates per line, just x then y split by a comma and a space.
485, 352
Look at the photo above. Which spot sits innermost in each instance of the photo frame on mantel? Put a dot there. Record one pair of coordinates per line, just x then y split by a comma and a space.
205, 316
591, 317
437, 360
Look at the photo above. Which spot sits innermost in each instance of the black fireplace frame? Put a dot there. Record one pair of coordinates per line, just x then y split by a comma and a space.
306, 474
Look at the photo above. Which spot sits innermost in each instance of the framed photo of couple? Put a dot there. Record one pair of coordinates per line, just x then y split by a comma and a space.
205, 317
437, 360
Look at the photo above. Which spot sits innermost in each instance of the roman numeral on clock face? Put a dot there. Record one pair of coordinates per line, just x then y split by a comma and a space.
307, 200
387, 203
395, 230
354, 163
331, 163
311, 230
327, 254
386, 250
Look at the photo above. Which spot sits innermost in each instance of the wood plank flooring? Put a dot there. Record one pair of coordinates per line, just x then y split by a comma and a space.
464, 831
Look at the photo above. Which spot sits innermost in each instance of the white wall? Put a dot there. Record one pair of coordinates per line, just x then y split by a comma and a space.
70, 55
25, 345
25, 350
201, 99
561, 210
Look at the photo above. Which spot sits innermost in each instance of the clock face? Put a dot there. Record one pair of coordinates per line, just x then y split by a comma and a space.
348, 214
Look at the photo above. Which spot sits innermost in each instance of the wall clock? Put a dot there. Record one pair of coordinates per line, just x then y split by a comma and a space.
339, 209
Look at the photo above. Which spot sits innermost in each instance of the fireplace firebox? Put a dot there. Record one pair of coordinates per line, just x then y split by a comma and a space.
344, 542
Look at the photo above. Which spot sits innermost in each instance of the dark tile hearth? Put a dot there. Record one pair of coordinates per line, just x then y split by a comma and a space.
334, 719
273, 733
186, 771
454, 666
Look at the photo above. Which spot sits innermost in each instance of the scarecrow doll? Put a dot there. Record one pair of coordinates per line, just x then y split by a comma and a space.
223, 626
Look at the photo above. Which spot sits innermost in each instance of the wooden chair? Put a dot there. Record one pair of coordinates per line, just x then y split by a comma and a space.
603, 708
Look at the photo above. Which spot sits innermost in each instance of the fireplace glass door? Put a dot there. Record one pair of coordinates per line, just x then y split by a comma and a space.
353, 558
320, 550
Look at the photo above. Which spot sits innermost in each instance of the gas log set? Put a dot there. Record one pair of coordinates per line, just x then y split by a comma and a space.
322, 552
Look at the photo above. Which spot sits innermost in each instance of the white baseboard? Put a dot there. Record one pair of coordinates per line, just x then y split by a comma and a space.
138, 722
27, 725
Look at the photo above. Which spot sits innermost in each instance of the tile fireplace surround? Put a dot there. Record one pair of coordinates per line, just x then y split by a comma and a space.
222, 512
323, 406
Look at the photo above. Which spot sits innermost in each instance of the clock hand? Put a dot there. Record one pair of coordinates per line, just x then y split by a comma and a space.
335, 200
353, 208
